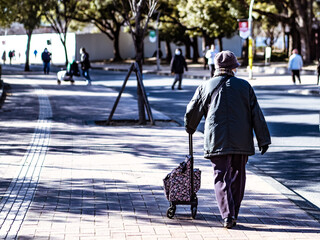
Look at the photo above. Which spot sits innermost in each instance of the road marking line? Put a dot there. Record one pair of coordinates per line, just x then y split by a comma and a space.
18, 197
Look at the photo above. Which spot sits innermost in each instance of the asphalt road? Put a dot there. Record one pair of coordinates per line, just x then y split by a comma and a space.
293, 120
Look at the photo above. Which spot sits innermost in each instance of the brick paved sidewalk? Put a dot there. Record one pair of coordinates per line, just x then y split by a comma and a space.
99, 182
106, 183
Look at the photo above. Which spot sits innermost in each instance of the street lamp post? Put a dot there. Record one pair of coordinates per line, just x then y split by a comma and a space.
250, 52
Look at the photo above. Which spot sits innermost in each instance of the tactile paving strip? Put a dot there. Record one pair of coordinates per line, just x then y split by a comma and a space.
19, 195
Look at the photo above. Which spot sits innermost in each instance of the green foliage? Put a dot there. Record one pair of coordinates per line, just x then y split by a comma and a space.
26, 12
7, 13
267, 23
107, 15
60, 13
215, 18
171, 29
29, 13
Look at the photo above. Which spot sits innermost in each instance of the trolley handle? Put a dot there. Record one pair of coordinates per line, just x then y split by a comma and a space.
192, 195
190, 145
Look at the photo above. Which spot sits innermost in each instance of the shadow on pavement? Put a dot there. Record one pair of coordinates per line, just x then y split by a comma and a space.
146, 203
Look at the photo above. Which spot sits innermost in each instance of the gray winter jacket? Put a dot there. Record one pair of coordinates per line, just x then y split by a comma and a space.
231, 117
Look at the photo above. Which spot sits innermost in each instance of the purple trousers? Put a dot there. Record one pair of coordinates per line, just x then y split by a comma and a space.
229, 182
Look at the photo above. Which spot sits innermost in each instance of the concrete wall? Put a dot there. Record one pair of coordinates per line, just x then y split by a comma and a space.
38, 42
233, 44
98, 45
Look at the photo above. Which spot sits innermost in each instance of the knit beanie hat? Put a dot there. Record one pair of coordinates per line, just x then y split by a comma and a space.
226, 59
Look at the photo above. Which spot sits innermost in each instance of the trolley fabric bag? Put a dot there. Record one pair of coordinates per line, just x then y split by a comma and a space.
182, 184
177, 184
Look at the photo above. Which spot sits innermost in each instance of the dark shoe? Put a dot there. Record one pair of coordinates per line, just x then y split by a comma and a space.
229, 222
179, 88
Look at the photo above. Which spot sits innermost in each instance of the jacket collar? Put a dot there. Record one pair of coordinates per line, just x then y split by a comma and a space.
223, 71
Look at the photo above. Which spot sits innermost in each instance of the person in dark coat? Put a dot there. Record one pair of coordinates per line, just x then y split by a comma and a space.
231, 114
85, 64
178, 64
11, 55
4, 57
46, 58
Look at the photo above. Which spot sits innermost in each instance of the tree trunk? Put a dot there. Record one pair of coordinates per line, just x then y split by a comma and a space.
196, 55
116, 49
26, 66
305, 45
187, 46
244, 53
303, 19
168, 52
284, 48
159, 48
205, 40
139, 59
138, 33
295, 43
220, 44
64, 44
65, 50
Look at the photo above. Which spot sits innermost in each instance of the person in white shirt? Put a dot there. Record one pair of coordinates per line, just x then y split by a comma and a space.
210, 56
295, 65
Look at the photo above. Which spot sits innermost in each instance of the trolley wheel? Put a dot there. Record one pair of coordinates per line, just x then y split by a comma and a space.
193, 211
171, 211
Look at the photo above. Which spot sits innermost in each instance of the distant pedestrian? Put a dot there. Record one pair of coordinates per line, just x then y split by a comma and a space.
46, 58
318, 72
205, 60
210, 56
295, 65
85, 64
4, 57
178, 64
232, 113
35, 52
11, 55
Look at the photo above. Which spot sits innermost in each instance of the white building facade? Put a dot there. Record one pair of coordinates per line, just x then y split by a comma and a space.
98, 45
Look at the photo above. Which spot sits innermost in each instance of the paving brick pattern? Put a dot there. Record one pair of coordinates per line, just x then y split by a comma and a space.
109, 186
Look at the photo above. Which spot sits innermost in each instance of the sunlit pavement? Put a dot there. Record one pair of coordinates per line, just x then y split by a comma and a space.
103, 182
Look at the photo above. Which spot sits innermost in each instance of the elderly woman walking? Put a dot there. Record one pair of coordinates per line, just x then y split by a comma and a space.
231, 113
